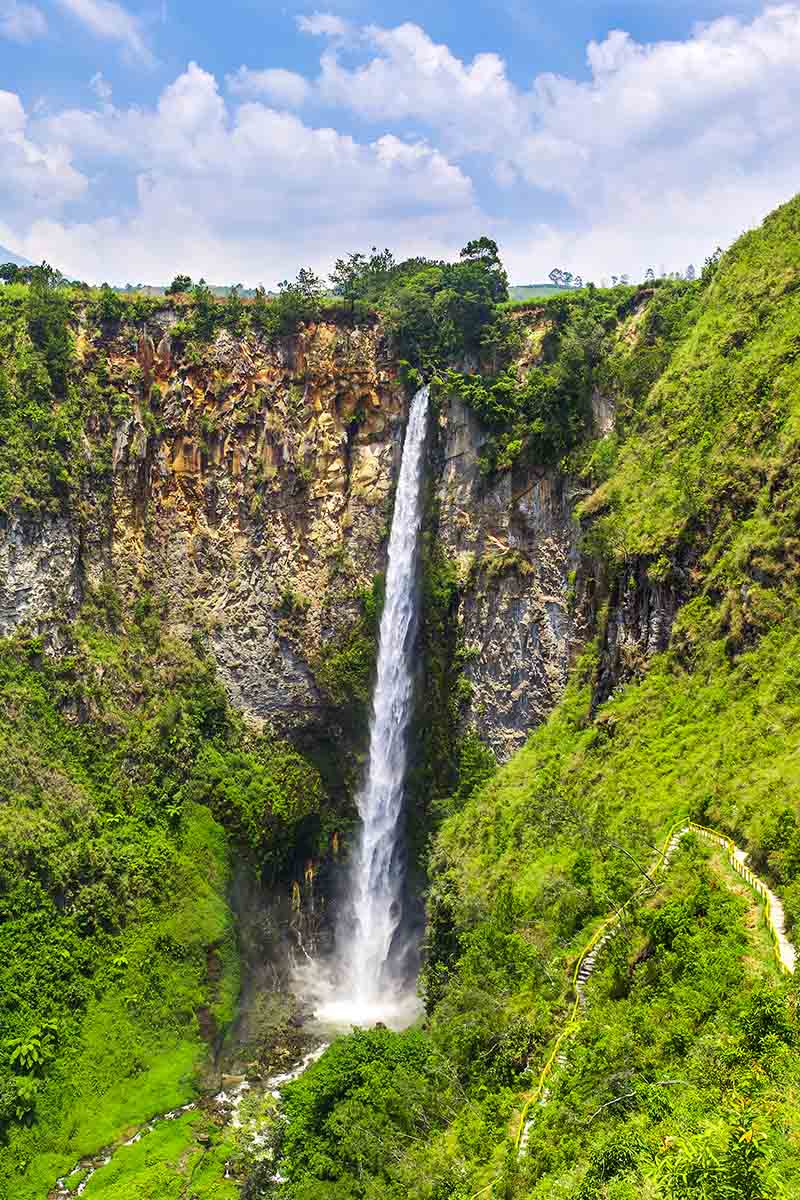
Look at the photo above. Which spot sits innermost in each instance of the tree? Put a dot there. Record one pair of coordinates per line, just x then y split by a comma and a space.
308, 284
690, 272
649, 275
710, 266
204, 311
9, 272
440, 311
565, 279
109, 306
483, 248
484, 253
260, 310
362, 277
47, 319
179, 285
297, 301
233, 312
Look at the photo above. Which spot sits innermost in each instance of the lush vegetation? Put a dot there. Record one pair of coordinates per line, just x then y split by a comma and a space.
548, 361
684, 1076
60, 395
681, 1083
125, 784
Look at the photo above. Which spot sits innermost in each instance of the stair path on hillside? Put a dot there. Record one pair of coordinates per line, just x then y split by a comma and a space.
776, 921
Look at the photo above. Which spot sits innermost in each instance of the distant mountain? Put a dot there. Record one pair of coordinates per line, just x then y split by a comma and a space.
529, 291
7, 255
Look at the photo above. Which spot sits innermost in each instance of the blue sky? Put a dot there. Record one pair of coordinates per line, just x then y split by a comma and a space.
241, 141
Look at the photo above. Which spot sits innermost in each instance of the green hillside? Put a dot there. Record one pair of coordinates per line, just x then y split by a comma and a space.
683, 1079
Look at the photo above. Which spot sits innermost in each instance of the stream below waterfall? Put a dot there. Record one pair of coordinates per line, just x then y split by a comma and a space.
228, 1103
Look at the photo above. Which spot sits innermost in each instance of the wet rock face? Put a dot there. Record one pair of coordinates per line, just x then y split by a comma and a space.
515, 543
641, 615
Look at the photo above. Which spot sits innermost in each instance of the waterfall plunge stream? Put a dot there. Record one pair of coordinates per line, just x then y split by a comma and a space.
368, 982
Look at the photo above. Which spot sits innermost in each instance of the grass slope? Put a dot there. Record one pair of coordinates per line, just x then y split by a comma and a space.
531, 291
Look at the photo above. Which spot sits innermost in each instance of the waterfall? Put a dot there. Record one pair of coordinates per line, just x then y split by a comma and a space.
369, 983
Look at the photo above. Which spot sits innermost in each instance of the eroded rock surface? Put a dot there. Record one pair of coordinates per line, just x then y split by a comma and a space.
515, 543
250, 491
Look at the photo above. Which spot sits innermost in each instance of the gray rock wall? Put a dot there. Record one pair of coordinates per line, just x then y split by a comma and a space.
39, 572
516, 545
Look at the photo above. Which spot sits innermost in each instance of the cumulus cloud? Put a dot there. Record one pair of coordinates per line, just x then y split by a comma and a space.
282, 87
471, 105
662, 152
107, 19
247, 190
35, 177
21, 22
667, 146
324, 25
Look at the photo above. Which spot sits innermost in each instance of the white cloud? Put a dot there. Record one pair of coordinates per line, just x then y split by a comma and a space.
677, 144
663, 152
286, 88
107, 19
667, 149
243, 191
324, 25
35, 177
21, 22
101, 87
473, 106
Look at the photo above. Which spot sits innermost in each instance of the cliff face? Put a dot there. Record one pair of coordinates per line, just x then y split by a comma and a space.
250, 489
516, 546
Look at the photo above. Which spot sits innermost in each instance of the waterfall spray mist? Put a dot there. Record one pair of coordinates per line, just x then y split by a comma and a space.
369, 982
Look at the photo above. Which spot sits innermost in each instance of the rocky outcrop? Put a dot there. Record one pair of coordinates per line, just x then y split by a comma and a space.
39, 572
641, 612
250, 492
514, 541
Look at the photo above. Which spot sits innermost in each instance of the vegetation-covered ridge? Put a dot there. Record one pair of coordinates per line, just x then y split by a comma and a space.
132, 780
773, 918
64, 387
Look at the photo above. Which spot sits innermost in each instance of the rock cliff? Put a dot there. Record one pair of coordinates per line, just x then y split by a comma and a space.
249, 488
